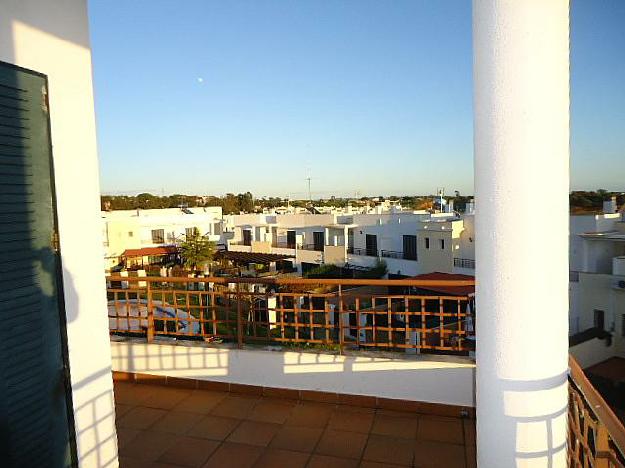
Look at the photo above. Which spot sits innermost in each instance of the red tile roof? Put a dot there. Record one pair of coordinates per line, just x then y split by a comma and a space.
150, 251
448, 290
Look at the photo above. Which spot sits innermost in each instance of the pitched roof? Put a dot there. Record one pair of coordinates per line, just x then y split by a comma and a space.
150, 251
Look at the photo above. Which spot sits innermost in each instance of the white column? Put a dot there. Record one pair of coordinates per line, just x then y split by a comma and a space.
521, 105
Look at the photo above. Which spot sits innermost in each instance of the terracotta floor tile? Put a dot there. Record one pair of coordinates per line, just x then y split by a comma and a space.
440, 429
385, 449
165, 398
371, 464
213, 427
343, 419
300, 439
121, 410
277, 458
177, 422
189, 451
324, 461
126, 435
431, 454
271, 411
201, 401
141, 418
395, 426
254, 433
342, 444
234, 456
235, 406
310, 415
130, 393
147, 446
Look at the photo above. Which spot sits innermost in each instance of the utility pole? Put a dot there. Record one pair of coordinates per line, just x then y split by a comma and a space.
309, 192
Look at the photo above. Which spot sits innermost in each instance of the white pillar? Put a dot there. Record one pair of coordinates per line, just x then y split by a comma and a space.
521, 105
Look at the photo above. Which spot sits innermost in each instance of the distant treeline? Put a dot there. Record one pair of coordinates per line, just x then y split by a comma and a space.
580, 201
592, 201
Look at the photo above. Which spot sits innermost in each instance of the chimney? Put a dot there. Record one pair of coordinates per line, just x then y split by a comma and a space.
609, 206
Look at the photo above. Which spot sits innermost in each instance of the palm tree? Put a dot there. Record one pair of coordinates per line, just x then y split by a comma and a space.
196, 250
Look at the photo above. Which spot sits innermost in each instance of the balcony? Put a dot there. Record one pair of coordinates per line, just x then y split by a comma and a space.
178, 335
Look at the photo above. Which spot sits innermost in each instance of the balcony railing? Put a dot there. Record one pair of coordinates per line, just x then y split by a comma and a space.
596, 437
336, 313
464, 263
362, 252
315, 247
283, 245
400, 255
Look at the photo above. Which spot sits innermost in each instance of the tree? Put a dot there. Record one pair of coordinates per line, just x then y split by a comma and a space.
196, 250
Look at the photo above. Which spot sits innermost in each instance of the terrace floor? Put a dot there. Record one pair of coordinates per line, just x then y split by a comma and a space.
160, 426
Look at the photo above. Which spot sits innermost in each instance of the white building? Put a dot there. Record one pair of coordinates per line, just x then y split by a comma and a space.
597, 283
137, 229
410, 243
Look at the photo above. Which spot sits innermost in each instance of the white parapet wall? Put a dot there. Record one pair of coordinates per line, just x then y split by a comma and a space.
434, 379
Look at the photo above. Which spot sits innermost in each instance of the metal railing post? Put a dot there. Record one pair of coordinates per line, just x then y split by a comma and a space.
341, 338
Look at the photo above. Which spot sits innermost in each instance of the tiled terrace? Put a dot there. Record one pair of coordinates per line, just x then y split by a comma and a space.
161, 426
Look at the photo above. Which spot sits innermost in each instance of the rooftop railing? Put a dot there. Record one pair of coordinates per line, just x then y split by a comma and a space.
596, 437
400, 255
362, 252
329, 313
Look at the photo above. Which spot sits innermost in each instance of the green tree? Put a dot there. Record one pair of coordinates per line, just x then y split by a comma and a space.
196, 250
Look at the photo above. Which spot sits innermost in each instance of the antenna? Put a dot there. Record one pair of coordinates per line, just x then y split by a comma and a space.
309, 192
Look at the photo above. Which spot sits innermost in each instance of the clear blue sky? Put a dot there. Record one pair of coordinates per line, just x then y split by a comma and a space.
369, 97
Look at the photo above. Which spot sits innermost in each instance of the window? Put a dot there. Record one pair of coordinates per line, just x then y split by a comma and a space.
130, 233
189, 232
247, 237
427, 242
410, 247
158, 236
371, 244
442, 244
318, 240
599, 319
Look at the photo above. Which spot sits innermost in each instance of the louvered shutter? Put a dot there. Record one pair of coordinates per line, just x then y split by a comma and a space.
34, 418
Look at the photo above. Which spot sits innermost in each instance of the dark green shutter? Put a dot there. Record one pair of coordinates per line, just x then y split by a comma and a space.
34, 418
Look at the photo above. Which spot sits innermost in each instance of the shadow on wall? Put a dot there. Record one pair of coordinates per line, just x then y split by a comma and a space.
539, 430
436, 379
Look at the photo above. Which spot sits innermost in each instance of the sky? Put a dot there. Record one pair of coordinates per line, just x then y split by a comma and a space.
364, 97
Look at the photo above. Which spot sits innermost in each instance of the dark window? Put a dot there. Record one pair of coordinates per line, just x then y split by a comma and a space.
290, 239
130, 234
442, 244
318, 241
247, 237
410, 247
158, 236
372, 245
599, 319
189, 232
427, 242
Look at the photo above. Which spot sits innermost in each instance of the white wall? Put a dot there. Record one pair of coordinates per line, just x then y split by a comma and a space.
53, 38
435, 379
592, 352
